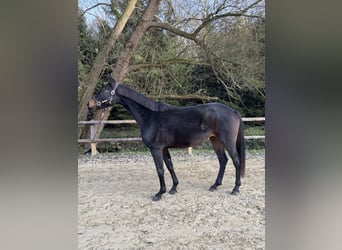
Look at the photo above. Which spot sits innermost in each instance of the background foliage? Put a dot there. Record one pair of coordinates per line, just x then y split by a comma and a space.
228, 63
230, 67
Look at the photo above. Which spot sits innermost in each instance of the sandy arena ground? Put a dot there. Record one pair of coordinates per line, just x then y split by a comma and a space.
116, 210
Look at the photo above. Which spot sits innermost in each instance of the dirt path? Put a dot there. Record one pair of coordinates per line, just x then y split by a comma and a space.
116, 210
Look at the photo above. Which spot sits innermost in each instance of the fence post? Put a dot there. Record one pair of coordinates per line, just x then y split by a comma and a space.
92, 137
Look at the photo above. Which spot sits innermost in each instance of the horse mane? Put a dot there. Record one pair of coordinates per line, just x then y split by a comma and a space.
148, 103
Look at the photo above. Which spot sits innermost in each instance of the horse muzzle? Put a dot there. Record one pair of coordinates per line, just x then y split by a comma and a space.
92, 106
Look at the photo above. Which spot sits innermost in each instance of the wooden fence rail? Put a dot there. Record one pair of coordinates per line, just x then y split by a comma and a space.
93, 140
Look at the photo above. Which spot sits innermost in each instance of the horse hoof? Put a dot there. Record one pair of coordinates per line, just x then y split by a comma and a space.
156, 197
234, 192
172, 191
213, 187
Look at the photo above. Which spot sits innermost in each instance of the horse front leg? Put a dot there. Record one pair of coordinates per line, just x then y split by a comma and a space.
169, 165
158, 161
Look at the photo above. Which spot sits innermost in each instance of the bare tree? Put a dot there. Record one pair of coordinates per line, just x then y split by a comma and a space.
122, 65
101, 59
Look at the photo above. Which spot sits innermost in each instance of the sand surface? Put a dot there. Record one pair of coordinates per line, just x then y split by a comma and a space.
116, 210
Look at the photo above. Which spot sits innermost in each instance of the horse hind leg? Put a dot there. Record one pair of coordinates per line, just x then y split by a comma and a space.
222, 158
169, 165
236, 161
230, 146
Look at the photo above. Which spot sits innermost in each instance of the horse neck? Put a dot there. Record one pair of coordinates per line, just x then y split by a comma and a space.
139, 112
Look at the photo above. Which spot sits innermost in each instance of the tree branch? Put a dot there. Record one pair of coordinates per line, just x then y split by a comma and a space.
173, 30
163, 64
213, 17
96, 5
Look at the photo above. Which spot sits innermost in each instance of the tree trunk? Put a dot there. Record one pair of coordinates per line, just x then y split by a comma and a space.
121, 67
100, 61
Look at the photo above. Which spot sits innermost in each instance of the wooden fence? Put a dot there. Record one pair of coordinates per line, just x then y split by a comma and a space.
93, 140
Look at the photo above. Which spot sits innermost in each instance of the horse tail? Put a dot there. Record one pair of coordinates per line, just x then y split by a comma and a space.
240, 146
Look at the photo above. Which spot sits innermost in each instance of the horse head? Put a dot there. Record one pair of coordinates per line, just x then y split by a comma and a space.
106, 96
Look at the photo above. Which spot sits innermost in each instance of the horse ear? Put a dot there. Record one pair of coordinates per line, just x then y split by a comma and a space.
111, 80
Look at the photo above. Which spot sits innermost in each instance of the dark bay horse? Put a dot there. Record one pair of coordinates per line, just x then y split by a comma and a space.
164, 126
